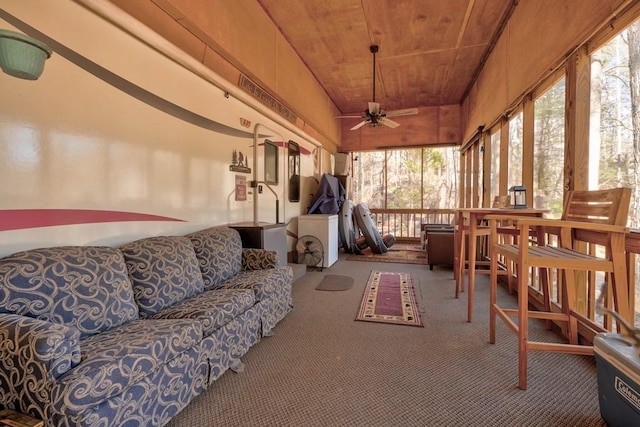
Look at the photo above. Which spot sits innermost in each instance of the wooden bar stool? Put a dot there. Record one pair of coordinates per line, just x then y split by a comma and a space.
469, 227
589, 216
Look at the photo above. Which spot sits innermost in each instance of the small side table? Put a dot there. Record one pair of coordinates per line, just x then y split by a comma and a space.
264, 236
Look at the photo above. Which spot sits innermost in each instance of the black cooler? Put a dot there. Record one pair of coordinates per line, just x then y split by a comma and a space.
618, 366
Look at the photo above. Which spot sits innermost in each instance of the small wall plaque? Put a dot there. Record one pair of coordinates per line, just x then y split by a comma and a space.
239, 162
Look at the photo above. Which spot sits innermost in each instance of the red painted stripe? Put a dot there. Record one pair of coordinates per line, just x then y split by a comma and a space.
17, 219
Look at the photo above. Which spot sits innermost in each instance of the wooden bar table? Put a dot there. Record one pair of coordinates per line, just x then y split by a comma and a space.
469, 222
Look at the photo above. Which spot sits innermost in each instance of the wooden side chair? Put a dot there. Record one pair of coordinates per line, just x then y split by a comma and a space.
598, 217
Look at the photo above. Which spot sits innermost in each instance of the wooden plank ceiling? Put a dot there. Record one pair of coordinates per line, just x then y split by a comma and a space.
429, 50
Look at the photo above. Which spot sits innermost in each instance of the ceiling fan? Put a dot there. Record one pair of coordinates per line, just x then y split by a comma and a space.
374, 115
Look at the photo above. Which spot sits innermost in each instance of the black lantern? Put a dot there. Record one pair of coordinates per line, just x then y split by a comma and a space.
518, 197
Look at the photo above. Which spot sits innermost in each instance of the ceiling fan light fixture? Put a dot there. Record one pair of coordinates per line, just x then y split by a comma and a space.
374, 115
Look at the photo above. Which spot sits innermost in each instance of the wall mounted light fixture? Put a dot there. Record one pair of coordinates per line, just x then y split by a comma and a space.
22, 56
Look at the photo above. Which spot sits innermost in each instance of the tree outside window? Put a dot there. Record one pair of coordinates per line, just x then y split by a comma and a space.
515, 151
416, 178
495, 165
548, 150
614, 137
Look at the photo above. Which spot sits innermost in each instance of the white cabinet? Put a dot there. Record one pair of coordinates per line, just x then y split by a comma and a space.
325, 228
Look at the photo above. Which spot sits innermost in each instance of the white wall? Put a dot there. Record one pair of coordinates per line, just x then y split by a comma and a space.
98, 132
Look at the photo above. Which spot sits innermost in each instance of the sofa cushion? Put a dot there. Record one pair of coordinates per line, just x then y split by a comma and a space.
86, 287
213, 308
264, 283
219, 253
113, 361
164, 270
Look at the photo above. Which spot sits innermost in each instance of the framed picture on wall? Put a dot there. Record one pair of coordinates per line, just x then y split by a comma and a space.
270, 162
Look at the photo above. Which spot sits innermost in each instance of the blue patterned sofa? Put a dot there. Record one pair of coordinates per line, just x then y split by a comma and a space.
226, 265
129, 336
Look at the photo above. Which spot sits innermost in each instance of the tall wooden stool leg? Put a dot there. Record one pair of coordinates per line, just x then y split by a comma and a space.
523, 324
493, 293
473, 241
619, 282
568, 298
462, 261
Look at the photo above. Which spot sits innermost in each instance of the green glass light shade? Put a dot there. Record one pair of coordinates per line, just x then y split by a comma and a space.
22, 56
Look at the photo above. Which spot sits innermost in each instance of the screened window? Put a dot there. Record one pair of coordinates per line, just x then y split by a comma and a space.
495, 165
416, 178
480, 174
440, 178
368, 178
404, 178
614, 140
515, 151
614, 137
548, 150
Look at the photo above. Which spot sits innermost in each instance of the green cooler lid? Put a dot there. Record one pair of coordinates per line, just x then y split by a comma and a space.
609, 344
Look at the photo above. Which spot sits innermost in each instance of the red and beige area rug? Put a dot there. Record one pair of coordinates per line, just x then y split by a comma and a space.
400, 253
390, 298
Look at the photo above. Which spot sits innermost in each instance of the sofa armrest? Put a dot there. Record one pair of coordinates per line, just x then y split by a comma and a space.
258, 259
35, 349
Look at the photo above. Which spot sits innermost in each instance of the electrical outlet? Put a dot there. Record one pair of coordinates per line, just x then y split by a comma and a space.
259, 189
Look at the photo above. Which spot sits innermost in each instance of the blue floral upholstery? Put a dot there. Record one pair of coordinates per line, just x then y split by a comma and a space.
97, 336
258, 259
228, 344
83, 287
273, 310
164, 270
255, 269
264, 283
219, 253
33, 354
272, 288
213, 309
152, 401
115, 360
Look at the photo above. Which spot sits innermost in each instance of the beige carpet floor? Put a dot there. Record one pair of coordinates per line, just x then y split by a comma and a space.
323, 368
335, 282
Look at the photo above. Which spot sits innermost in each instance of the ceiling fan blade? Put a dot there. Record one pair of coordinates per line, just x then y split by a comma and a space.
374, 108
359, 125
405, 112
349, 117
388, 123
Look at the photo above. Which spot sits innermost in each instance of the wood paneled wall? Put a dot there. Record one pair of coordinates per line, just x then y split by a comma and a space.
539, 37
238, 37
